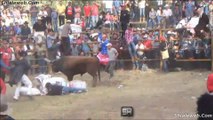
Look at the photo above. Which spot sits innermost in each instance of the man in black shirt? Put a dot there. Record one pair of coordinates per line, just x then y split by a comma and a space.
39, 29
124, 19
61, 90
39, 26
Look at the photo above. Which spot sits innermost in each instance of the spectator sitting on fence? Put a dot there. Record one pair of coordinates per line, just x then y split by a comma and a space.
39, 30
25, 31
140, 51
131, 46
61, 90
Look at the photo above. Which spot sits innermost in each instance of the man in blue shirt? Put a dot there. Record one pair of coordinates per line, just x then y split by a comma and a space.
104, 43
116, 5
52, 47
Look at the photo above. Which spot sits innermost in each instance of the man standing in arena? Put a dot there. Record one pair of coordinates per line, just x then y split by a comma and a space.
113, 54
65, 41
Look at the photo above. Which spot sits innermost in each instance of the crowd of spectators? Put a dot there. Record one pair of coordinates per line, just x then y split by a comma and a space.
34, 28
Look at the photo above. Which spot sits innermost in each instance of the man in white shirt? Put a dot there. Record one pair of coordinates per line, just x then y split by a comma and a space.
44, 79
140, 51
108, 5
167, 12
27, 84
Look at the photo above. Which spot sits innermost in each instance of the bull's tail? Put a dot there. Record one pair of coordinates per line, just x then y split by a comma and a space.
99, 68
99, 73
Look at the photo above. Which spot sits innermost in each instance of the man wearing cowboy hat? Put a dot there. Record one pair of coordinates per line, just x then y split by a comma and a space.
201, 27
168, 14
65, 41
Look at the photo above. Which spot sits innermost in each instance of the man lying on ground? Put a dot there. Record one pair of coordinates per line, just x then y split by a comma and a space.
44, 79
61, 90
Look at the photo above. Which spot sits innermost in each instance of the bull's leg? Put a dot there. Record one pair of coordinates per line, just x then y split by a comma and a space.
94, 83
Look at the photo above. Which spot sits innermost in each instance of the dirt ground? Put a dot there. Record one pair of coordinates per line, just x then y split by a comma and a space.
152, 94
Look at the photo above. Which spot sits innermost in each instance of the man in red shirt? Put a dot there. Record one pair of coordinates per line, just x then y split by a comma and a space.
87, 14
2, 87
148, 46
69, 12
95, 12
5, 57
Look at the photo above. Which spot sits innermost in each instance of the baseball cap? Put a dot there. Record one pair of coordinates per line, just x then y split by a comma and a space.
109, 44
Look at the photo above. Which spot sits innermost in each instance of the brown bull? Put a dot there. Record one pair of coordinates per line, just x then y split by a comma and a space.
73, 65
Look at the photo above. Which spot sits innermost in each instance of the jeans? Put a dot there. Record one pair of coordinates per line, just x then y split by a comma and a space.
65, 46
55, 24
116, 11
132, 50
61, 20
112, 26
88, 21
33, 20
67, 90
141, 57
94, 20
165, 65
189, 12
151, 23
77, 20
42, 65
159, 19
111, 67
133, 54
142, 12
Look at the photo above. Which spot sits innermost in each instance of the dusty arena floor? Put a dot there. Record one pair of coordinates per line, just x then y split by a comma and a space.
154, 95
